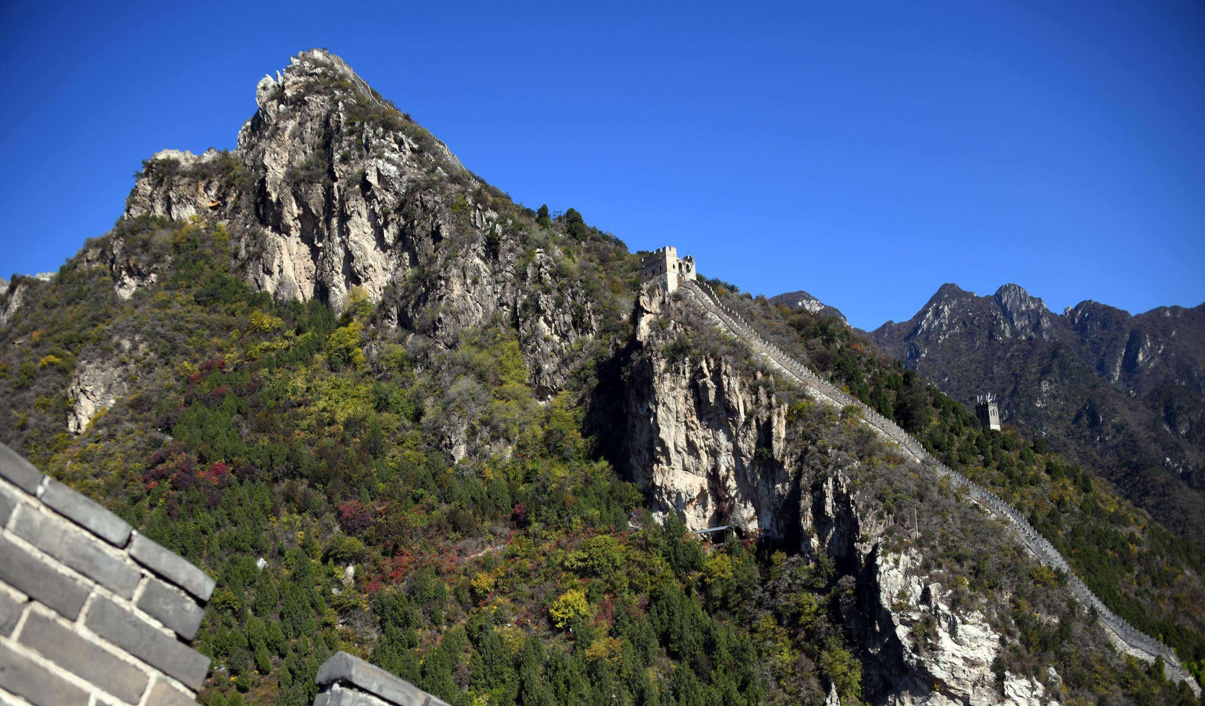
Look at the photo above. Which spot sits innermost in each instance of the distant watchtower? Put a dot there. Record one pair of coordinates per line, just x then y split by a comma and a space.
987, 411
664, 267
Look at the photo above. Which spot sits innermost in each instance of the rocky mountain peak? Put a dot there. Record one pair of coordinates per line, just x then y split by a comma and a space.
322, 188
949, 290
1027, 314
1090, 318
802, 300
311, 72
333, 190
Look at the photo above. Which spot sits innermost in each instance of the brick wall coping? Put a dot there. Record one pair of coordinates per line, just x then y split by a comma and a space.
344, 679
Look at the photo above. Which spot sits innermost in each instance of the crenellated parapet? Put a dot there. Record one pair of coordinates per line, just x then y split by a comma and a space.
987, 411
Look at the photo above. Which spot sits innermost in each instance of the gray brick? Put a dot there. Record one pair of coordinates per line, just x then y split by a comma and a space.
351, 697
86, 513
143, 640
172, 607
33, 577
77, 549
23, 677
83, 658
355, 672
164, 694
18, 471
7, 504
172, 567
10, 613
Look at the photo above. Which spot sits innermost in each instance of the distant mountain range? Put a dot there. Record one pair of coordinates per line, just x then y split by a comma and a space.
1123, 395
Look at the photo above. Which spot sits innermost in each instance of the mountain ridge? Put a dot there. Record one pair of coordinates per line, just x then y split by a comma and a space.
1144, 372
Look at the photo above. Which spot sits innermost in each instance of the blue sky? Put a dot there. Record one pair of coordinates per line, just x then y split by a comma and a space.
865, 152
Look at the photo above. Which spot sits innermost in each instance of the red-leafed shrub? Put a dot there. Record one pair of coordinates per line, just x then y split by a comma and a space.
355, 517
518, 514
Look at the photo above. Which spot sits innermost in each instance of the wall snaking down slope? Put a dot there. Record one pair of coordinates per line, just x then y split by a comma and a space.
1124, 636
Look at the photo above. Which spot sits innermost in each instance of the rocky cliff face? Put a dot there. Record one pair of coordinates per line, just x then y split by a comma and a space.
12, 295
129, 272
1123, 395
705, 438
948, 660
97, 384
709, 440
332, 189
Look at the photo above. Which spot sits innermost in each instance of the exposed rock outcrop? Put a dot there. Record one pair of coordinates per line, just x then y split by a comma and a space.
14, 293
332, 189
708, 440
11, 299
833, 699
918, 649
95, 386
705, 442
328, 174
129, 273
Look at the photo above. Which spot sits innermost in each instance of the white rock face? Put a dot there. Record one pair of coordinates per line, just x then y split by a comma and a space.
10, 301
833, 699
127, 284
95, 386
701, 436
334, 190
959, 657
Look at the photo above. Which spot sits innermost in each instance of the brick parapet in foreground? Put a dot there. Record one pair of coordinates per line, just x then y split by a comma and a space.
91, 611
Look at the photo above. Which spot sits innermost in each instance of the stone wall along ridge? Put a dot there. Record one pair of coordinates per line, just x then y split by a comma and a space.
1124, 636
91, 611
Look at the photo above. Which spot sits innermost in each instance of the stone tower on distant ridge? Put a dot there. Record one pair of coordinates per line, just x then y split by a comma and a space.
666, 268
987, 411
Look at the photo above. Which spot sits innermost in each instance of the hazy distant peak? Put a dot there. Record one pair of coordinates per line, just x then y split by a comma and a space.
802, 300
946, 295
949, 289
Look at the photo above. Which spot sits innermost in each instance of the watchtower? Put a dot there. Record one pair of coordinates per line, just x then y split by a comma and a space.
987, 411
664, 267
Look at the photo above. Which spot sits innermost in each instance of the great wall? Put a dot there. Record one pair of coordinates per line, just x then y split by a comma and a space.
1124, 636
